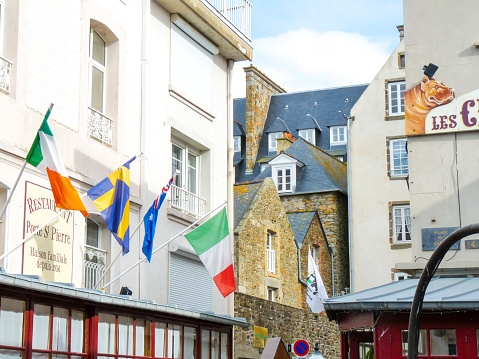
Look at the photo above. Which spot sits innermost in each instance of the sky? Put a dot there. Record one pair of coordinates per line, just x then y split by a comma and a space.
315, 44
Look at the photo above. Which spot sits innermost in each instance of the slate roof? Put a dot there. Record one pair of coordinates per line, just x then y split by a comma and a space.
447, 293
300, 223
327, 106
321, 172
278, 125
238, 129
244, 194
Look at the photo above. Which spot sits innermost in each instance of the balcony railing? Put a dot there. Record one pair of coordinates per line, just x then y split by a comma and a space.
271, 261
236, 12
100, 126
94, 265
5, 74
187, 202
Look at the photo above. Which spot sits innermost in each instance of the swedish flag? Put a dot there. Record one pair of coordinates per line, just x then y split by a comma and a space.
112, 198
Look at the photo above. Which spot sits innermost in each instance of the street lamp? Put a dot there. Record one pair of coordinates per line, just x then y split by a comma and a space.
316, 354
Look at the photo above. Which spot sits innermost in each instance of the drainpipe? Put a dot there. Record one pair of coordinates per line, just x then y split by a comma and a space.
299, 266
331, 253
350, 209
231, 173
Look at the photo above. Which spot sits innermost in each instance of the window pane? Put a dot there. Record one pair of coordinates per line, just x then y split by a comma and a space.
174, 341
189, 350
224, 346
443, 342
14, 354
160, 336
60, 329
41, 326
177, 164
280, 180
142, 347
192, 160
215, 344
98, 49
97, 89
106, 331
78, 336
125, 335
11, 322
205, 344
422, 343
92, 232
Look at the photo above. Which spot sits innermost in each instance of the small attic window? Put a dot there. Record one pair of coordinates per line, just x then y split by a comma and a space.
237, 140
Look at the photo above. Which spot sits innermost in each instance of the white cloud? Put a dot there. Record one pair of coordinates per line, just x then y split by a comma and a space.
305, 60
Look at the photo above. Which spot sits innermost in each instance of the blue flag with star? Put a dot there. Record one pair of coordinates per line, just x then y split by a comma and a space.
150, 221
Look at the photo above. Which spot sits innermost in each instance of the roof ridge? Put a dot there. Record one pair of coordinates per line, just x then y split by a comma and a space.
323, 89
247, 182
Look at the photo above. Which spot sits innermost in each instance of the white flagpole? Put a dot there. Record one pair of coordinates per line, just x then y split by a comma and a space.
164, 244
39, 228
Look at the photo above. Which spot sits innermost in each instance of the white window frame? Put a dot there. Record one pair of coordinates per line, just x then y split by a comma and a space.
396, 92
402, 170
403, 222
271, 255
280, 174
272, 294
335, 135
308, 134
99, 232
102, 68
400, 276
272, 143
237, 143
181, 180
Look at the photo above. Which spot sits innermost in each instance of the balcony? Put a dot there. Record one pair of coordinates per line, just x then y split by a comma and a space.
187, 202
94, 266
236, 13
271, 261
5, 74
100, 126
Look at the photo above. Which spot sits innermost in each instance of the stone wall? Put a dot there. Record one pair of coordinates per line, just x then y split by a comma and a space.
333, 213
288, 323
266, 214
259, 89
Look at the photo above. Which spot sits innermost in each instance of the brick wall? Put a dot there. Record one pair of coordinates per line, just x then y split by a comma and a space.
259, 89
288, 323
332, 210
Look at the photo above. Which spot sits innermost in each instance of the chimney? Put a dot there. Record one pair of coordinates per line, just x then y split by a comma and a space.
401, 32
282, 144
259, 89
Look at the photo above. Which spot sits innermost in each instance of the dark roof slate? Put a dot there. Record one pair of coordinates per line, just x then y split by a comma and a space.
300, 223
238, 129
244, 194
278, 125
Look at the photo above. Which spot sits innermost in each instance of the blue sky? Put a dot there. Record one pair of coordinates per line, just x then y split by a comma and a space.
314, 44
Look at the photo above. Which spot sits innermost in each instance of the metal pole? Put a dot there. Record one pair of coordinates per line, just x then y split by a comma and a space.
164, 244
426, 276
13, 189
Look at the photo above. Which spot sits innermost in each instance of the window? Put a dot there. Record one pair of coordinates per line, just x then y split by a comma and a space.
338, 135
237, 143
401, 60
270, 253
272, 294
401, 223
12, 313
396, 98
191, 62
400, 276
283, 179
273, 145
398, 158
97, 71
94, 262
308, 135
433, 343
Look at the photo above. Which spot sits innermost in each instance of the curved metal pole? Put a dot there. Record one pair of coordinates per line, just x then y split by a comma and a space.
426, 276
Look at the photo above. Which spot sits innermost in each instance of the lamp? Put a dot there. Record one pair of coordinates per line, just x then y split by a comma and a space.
316, 354
430, 70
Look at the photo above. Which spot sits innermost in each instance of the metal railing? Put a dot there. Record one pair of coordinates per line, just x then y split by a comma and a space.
237, 12
187, 202
271, 261
5, 74
94, 266
100, 126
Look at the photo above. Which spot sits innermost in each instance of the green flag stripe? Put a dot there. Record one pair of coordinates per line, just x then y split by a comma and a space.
209, 233
35, 155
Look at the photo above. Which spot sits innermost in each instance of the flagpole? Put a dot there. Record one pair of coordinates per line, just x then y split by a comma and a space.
21, 172
118, 255
164, 244
39, 229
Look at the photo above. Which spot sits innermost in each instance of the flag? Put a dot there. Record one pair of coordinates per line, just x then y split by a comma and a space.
211, 241
150, 221
45, 156
112, 198
315, 292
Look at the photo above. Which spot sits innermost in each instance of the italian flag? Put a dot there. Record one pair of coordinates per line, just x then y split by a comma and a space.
45, 156
211, 241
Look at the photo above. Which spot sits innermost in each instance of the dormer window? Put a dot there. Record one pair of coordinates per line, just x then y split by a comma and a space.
272, 143
338, 135
283, 170
237, 140
308, 135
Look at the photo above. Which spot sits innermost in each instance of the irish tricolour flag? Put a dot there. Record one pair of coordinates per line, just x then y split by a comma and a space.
211, 241
45, 156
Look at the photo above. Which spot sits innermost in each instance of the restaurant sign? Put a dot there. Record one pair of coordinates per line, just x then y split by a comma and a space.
49, 253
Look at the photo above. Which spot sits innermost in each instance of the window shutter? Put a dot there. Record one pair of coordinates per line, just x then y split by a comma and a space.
190, 283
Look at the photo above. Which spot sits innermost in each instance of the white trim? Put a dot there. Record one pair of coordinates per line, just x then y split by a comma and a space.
400, 276
305, 135
404, 230
272, 137
397, 96
237, 143
332, 135
102, 68
183, 175
397, 172
280, 172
